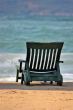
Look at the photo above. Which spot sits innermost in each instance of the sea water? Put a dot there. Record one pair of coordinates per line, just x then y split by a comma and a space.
15, 32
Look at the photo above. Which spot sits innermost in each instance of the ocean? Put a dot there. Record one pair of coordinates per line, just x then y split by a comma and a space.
16, 31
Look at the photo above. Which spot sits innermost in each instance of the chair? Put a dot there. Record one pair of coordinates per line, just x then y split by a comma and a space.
42, 63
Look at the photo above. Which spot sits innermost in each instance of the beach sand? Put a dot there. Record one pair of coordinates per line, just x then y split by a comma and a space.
14, 96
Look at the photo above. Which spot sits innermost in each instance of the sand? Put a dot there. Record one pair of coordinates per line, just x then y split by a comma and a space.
14, 96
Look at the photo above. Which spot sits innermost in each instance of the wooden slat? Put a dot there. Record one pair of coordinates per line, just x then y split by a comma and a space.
41, 55
33, 58
53, 61
50, 59
43, 59
36, 53
31, 61
39, 60
49, 52
46, 59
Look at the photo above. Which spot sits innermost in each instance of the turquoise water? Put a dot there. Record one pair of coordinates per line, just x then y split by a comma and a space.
15, 32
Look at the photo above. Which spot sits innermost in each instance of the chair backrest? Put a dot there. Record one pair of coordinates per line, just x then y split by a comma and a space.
43, 56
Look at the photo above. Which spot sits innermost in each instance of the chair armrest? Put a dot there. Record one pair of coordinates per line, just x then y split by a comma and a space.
61, 61
20, 66
20, 60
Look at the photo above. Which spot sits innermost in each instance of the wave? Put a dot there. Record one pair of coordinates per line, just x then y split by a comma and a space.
8, 62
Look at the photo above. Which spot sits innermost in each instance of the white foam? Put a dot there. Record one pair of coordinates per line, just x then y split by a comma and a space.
8, 79
67, 77
9, 61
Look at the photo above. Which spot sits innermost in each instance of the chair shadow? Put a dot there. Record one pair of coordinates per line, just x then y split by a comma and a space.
67, 86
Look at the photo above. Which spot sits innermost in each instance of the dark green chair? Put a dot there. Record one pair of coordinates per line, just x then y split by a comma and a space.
42, 63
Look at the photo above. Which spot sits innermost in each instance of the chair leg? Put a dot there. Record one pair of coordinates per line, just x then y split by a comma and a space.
51, 82
45, 81
27, 83
17, 75
59, 83
22, 78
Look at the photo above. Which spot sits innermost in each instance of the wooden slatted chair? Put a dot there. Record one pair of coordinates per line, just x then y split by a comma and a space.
42, 63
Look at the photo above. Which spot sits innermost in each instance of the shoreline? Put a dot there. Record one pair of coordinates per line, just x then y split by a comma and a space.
67, 86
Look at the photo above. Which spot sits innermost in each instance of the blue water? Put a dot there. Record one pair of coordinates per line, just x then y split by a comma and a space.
15, 32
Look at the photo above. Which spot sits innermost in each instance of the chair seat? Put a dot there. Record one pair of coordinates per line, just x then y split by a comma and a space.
48, 73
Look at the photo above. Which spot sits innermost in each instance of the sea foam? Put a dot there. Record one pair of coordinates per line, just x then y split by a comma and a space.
8, 63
